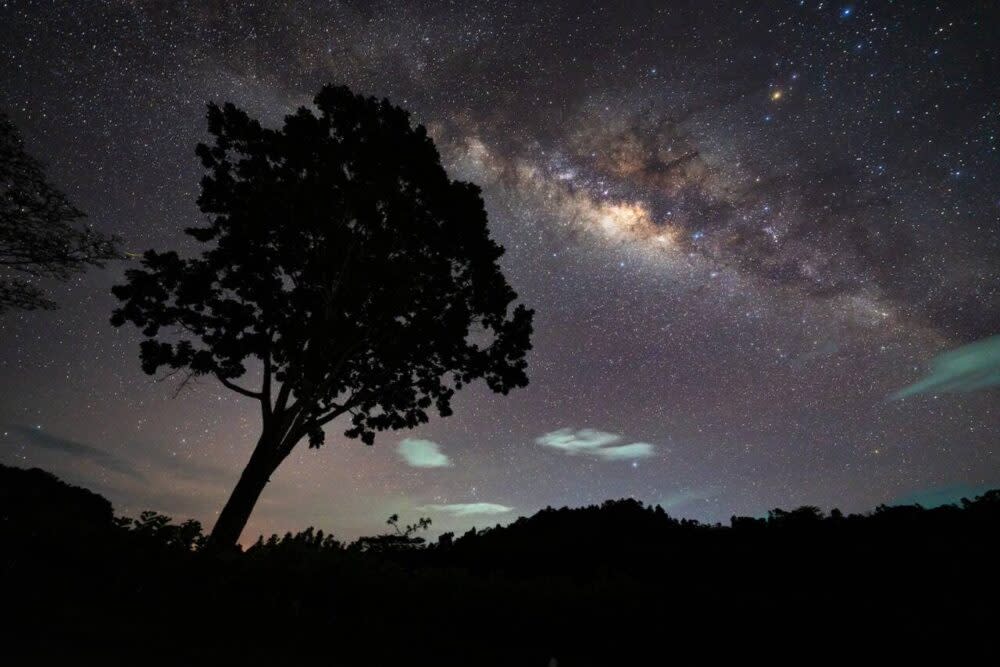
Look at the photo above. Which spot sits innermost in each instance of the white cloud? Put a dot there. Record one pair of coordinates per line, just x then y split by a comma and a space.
637, 450
423, 453
573, 442
591, 442
467, 509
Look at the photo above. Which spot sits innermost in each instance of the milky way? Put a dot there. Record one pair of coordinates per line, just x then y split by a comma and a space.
745, 228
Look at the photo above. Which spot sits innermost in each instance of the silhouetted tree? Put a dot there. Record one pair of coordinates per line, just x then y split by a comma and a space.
159, 529
39, 237
404, 538
348, 264
806, 515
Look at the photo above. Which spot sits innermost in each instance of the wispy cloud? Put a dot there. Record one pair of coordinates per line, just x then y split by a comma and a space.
42, 439
467, 509
968, 368
598, 444
943, 495
684, 497
423, 453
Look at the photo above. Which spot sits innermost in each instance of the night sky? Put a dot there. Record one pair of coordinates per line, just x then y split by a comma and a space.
746, 229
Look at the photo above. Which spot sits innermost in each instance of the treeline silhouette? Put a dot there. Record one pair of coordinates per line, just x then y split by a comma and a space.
591, 585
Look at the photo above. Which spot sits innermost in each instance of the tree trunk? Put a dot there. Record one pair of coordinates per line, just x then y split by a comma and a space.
233, 518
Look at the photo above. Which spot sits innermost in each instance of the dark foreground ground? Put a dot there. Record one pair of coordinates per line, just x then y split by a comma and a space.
618, 584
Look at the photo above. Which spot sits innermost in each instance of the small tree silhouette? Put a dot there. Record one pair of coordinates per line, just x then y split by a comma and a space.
404, 538
348, 264
38, 235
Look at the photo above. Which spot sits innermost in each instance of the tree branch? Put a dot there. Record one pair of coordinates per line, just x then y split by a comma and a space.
265, 389
283, 395
330, 416
188, 377
238, 389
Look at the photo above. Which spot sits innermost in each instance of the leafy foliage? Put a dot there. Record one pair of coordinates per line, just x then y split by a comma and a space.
159, 529
345, 261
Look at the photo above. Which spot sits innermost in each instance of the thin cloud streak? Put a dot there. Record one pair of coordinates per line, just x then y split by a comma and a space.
468, 509
42, 439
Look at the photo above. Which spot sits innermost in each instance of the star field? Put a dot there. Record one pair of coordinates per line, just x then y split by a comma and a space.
744, 228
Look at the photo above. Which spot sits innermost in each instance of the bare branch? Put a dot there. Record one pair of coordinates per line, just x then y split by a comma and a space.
188, 377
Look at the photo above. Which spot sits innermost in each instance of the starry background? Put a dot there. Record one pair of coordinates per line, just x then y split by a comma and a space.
744, 226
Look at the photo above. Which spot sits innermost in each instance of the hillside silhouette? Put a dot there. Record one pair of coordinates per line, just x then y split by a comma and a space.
590, 585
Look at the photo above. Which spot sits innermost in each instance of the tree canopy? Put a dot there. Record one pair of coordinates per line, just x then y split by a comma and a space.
343, 265
39, 234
